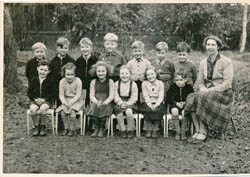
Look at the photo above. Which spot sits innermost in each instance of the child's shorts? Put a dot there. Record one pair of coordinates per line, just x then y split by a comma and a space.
34, 103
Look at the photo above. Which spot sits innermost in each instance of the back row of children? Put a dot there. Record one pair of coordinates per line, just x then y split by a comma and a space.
109, 85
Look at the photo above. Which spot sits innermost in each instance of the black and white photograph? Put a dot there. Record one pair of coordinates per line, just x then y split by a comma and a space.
131, 88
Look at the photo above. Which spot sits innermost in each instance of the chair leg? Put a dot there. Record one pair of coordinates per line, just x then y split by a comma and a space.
167, 128
164, 126
84, 124
235, 131
28, 122
112, 126
56, 123
109, 119
53, 122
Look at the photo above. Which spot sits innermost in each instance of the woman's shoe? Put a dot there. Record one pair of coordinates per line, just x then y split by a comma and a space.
123, 134
195, 135
201, 137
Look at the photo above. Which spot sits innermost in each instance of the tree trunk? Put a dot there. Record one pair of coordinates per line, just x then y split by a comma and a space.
244, 30
10, 55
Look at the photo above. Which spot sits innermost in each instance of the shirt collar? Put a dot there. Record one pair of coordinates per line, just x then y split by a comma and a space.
61, 57
86, 58
216, 59
110, 53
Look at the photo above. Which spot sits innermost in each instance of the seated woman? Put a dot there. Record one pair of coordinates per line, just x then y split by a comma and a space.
210, 107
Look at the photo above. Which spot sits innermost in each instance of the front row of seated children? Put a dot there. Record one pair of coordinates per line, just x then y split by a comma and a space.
102, 93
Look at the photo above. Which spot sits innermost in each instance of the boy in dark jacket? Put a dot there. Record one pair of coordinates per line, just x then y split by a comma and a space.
176, 97
40, 93
83, 65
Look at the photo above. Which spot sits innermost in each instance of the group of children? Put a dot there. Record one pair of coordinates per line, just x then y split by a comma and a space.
108, 84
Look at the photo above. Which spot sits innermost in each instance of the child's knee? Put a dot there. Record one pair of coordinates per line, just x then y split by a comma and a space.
44, 108
129, 112
33, 109
175, 111
73, 113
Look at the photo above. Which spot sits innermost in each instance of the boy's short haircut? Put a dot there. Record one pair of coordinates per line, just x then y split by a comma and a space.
111, 37
43, 62
138, 45
181, 73
62, 41
39, 45
68, 66
161, 46
183, 47
86, 41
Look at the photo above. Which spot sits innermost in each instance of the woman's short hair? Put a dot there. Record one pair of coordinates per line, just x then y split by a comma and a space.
217, 40
183, 47
68, 66
108, 67
154, 69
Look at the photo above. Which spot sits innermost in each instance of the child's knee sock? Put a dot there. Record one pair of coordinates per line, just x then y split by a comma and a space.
156, 124
184, 125
65, 119
95, 122
176, 123
131, 122
73, 123
43, 118
120, 121
102, 122
35, 119
148, 125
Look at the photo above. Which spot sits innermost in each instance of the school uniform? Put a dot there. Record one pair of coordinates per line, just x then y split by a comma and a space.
213, 107
41, 89
115, 59
166, 71
101, 91
178, 94
56, 65
31, 69
70, 92
153, 93
83, 66
189, 68
125, 92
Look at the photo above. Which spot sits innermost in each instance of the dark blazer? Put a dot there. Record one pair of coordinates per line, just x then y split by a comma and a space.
83, 68
56, 65
177, 94
31, 69
45, 91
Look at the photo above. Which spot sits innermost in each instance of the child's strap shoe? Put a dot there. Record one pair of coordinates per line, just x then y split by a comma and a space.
36, 131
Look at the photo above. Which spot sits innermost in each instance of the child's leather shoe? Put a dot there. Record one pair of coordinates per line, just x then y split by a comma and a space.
130, 134
94, 134
65, 132
43, 130
71, 133
154, 134
148, 134
100, 133
35, 131
123, 134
